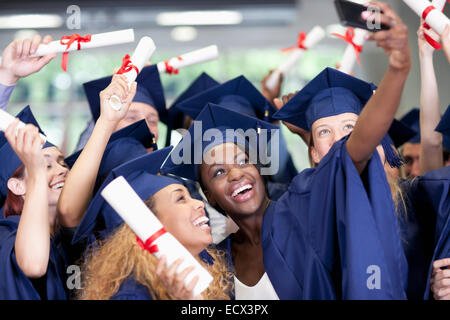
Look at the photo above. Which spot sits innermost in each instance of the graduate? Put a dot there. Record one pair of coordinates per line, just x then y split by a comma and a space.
32, 265
438, 285
119, 269
295, 248
178, 119
148, 103
104, 151
241, 96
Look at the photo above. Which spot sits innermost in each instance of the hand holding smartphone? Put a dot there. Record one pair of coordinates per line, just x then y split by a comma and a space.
350, 16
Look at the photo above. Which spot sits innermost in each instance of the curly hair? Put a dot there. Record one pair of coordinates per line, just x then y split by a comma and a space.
110, 262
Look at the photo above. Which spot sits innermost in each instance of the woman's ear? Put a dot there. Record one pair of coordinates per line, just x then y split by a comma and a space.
17, 186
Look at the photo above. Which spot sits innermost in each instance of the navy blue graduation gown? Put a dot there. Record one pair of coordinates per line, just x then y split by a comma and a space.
14, 284
333, 232
417, 222
432, 196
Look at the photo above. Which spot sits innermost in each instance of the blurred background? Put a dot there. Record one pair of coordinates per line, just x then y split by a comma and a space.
249, 34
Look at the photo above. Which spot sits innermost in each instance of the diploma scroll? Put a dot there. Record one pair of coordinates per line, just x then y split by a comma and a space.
97, 41
432, 16
141, 55
194, 57
349, 58
123, 199
312, 38
6, 119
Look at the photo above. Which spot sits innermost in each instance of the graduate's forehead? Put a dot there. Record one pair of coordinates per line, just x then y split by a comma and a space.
52, 152
142, 108
170, 190
334, 120
225, 153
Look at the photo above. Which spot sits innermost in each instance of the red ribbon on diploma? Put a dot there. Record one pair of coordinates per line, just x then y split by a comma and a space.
71, 39
349, 36
152, 248
436, 45
301, 38
127, 66
169, 68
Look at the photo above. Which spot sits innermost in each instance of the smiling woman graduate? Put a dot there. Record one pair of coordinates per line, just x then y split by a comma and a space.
31, 263
119, 269
322, 239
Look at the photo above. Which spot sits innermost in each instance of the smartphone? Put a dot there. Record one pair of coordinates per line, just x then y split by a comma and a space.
350, 16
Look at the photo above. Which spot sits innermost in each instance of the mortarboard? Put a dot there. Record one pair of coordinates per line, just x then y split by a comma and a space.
142, 174
330, 93
9, 159
149, 90
124, 145
412, 120
400, 133
175, 115
237, 95
227, 125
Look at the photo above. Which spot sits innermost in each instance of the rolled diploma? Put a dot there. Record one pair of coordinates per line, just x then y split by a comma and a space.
194, 57
141, 55
435, 19
6, 119
123, 199
312, 38
439, 4
97, 40
349, 58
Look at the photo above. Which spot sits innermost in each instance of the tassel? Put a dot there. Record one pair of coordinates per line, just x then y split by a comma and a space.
391, 153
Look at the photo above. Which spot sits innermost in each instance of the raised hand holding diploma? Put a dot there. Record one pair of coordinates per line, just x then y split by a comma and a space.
120, 89
439, 5
124, 200
131, 67
18, 60
77, 42
432, 16
172, 65
6, 120
305, 42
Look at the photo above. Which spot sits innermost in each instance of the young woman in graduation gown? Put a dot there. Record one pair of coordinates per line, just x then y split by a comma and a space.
32, 264
119, 268
322, 239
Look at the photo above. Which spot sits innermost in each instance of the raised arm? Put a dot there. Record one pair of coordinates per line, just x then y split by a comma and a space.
431, 157
16, 64
378, 114
79, 184
32, 244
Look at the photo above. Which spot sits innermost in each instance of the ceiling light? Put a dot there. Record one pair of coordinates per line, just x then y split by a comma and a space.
30, 21
193, 18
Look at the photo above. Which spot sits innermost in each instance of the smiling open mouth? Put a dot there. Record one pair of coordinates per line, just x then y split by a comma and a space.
57, 186
242, 190
201, 222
